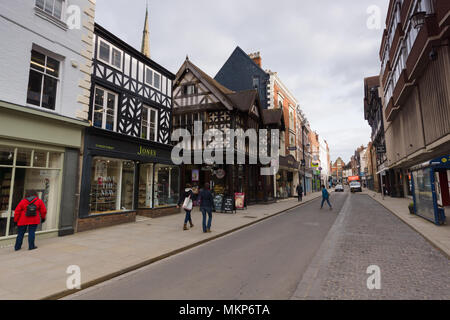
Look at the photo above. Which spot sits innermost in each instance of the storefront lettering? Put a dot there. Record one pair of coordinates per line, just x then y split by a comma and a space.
146, 152
101, 146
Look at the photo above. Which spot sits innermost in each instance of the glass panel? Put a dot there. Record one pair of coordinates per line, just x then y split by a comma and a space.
55, 160
44, 183
110, 111
52, 67
127, 185
58, 9
145, 186
117, 58
23, 158
34, 88
424, 194
105, 184
167, 185
149, 76
5, 184
157, 81
40, 4
98, 109
104, 51
40, 159
49, 93
37, 61
49, 6
6, 156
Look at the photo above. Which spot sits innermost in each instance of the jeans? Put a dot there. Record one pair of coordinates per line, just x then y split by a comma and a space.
188, 217
300, 197
323, 201
204, 212
21, 234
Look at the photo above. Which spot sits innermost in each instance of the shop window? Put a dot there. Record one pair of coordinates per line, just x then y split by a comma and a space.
112, 186
40, 159
43, 81
146, 186
23, 158
105, 105
5, 187
166, 185
6, 156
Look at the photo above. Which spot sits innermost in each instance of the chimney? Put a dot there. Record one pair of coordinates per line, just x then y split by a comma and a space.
256, 57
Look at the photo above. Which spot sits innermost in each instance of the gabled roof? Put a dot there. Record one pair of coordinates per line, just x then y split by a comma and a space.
274, 117
219, 90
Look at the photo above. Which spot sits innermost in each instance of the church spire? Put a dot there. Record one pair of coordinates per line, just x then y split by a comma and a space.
145, 49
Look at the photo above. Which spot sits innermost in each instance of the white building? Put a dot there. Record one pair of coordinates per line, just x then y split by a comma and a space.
44, 102
323, 157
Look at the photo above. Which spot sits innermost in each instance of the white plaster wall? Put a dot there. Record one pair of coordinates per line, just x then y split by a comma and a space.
20, 29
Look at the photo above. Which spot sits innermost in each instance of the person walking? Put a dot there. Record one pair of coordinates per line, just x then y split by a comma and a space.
30, 212
300, 192
206, 207
325, 197
187, 205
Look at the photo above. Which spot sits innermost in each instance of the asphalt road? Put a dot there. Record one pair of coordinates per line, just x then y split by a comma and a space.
264, 261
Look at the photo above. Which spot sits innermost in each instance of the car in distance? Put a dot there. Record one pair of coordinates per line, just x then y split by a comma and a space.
355, 186
339, 188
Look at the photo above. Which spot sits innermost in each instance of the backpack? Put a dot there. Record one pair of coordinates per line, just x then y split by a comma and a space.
31, 208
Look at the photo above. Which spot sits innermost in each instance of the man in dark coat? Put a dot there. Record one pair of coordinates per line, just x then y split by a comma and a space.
300, 192
206, 207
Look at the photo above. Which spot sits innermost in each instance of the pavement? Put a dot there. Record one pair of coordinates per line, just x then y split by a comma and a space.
367, 237
103, 254
262, 262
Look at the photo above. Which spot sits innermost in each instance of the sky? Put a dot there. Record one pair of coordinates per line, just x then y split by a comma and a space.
322, 50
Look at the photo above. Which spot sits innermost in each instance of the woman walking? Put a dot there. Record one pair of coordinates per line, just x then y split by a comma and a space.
187, 205
325, 197
206, 207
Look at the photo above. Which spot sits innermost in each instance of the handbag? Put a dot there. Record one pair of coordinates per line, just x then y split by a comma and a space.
187, 204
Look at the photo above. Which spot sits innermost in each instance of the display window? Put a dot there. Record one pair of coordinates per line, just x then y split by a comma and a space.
146, 186
167, 185
112, 186
424, 194
23, 170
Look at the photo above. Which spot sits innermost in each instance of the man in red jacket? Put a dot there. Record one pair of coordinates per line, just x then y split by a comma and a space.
29, 214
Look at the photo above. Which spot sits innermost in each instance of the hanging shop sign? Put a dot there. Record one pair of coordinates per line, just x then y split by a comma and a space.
220, 174
195, 175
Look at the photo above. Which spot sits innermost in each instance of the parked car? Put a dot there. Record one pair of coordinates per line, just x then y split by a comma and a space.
339, 188
355, 186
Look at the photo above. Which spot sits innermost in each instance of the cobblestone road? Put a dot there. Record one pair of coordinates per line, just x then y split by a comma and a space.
367, 234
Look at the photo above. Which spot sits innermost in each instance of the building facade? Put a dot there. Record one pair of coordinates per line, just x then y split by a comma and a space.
127, 166
415, 65
44, 104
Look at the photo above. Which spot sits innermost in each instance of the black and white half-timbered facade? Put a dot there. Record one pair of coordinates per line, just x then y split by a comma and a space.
198, 97
127, 167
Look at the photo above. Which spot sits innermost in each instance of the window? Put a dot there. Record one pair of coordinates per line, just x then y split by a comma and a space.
105, 105
167, 185
149, 124
256, 83
152, 78
280, 101
110, 55
149, 76
189, 89
157, 81
43, 81
52, 7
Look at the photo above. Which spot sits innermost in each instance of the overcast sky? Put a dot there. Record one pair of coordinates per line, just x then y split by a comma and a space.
322, 50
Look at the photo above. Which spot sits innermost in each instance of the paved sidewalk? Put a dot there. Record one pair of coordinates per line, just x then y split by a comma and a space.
439, 236
106, 253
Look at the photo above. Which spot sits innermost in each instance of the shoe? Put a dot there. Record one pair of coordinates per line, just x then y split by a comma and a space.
34, 248
209, 231
185, 227
17, 249
192, 225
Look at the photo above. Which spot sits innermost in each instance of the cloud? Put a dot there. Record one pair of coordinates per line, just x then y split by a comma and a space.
322, 50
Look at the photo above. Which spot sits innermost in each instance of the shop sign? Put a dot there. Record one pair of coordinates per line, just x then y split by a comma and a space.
195, 175
206, 168
218, 203
220, 174
441, 161
239, 200
102, 146
228, 204
354, 178
381, 149
146, 152
314, 165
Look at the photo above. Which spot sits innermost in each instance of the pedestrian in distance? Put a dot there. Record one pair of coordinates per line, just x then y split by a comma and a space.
206, 207
300, 192
187, 200
30, 212
325, 197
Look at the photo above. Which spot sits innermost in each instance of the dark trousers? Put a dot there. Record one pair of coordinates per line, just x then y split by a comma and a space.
323, 201
188, 217
206, 226
21, 234
300, 197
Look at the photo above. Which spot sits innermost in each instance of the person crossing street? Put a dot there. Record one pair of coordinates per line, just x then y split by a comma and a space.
325, 197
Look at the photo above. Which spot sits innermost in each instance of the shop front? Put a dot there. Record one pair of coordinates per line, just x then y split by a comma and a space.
431, 189
124, 177
287, 177
43, 157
